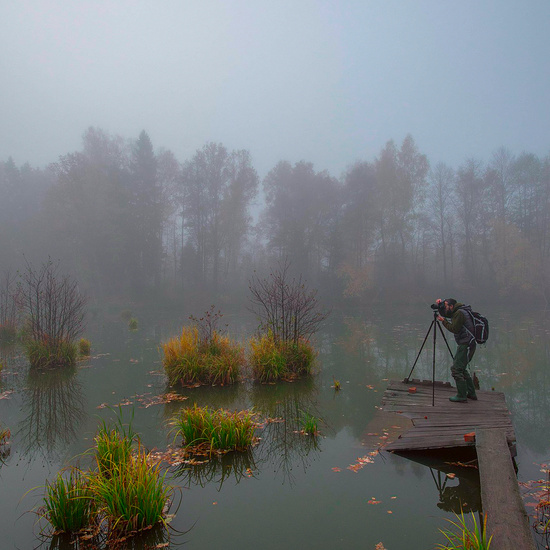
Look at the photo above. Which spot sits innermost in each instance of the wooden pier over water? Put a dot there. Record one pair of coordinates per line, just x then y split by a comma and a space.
447, 425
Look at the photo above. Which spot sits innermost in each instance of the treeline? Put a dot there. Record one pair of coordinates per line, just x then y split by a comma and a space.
131, 221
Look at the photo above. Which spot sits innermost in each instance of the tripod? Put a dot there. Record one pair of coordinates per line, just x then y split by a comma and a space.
435, 323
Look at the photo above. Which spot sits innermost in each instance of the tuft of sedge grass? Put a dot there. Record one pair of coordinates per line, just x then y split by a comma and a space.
84, 347
189, 360
113, 447
310, 424
337, 386
50, 353
273, 360
68, 502
5, 434
464, 537
133, 323
218, 429
133, 496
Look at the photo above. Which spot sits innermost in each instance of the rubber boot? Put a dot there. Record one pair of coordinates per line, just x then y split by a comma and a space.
460, 397
470, 387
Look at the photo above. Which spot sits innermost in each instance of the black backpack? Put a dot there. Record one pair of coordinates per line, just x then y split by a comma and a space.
481, 325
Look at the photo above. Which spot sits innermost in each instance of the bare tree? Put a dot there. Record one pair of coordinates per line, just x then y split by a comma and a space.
285, 306
54, 309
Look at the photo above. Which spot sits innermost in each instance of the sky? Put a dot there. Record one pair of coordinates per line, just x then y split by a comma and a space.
328, 82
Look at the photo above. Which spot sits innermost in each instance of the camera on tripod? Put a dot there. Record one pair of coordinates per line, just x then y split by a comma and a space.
440, 307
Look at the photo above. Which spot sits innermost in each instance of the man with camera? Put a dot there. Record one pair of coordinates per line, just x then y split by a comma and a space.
461, 326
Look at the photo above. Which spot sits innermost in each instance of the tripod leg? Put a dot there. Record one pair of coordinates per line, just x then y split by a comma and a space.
421, 348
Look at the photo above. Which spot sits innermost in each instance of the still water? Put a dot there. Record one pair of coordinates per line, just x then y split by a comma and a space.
290, 491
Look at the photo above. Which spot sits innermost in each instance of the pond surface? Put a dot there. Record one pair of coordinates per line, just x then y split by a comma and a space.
290, 491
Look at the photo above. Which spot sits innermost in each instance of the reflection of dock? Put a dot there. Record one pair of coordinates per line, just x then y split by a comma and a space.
444, 424
440, 424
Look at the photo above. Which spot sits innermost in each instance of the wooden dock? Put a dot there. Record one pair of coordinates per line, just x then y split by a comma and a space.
439, 424
444, 424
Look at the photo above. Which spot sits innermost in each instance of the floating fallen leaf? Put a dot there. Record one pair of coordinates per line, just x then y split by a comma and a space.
214, 503
390, 512
379, 546
372, 501
336, 469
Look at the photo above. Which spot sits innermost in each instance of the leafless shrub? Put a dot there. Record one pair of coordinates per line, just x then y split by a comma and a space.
208, 325
285, 306
52, 303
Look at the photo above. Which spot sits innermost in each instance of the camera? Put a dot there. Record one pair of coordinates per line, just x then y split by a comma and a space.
439, 307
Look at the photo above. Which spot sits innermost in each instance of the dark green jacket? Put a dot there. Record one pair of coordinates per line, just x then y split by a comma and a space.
460, 325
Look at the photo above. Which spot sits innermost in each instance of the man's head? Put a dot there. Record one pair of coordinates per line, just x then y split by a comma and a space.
450, 304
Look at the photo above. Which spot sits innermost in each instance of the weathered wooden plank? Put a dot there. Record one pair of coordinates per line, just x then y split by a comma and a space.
437, 423
507, 520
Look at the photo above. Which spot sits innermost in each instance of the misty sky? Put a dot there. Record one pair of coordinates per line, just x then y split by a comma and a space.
325, 81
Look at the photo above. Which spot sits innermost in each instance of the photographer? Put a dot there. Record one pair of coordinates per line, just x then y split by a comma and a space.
462, 327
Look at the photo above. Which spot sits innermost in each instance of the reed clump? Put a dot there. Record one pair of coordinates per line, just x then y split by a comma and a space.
131, 495
192, 360
47, 353
133, 323
5, 434
69, 505
310, 424
465, 538
84, 347
124, 494
217, 430
272, 359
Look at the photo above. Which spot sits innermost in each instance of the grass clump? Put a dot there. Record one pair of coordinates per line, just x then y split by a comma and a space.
191, 360
273, 359
133, 323
113, 448
84, 347
68, 503
133, 495
465, 538
5, 434
218, 430
123, 495
47, 353
310, 424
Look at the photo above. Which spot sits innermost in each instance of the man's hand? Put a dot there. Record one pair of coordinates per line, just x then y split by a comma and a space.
439, 318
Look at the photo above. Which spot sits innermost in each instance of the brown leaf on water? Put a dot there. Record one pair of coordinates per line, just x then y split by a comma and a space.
372, 501
336, 469
379, 546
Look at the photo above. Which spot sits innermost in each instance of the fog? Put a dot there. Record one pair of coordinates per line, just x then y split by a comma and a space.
175, 147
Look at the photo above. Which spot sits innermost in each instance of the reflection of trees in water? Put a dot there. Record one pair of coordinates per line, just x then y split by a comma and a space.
218, 469
55, 404
156, 537
282, 443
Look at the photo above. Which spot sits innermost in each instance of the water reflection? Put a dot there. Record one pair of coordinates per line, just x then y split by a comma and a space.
282, 442
455, 476
155, 537
282, 406
54, 403
217, 469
